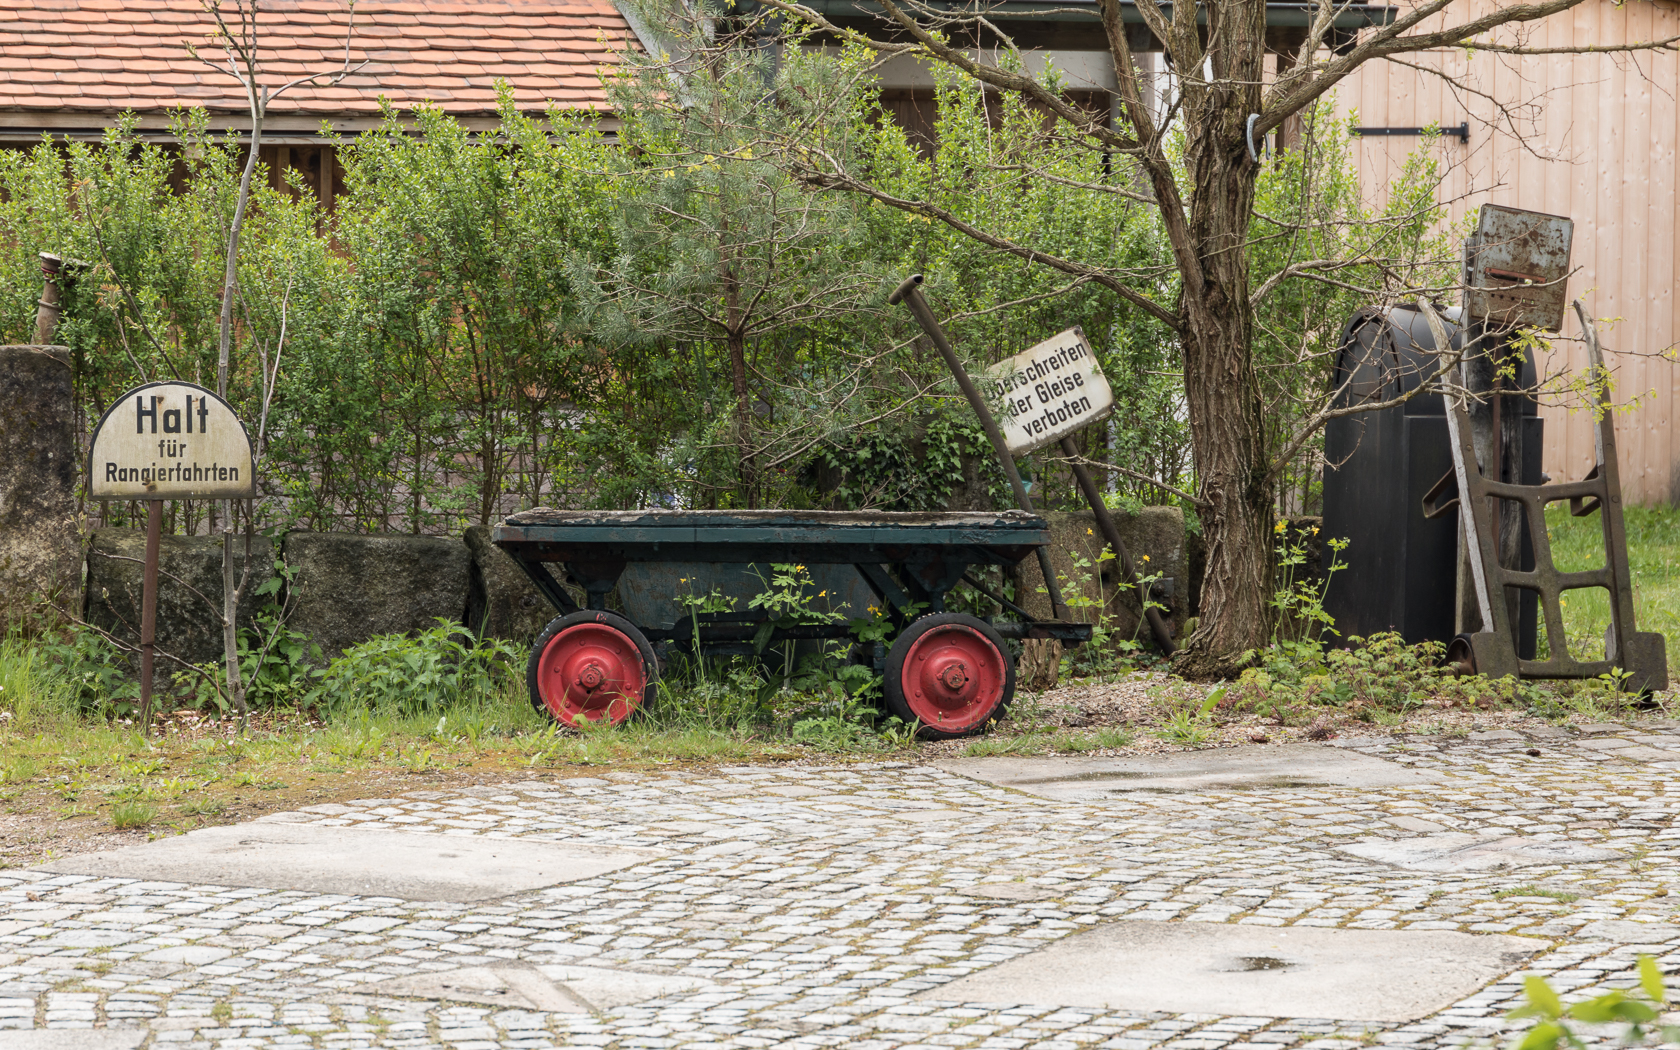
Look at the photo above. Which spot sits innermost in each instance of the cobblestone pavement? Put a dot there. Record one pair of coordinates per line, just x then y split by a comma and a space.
821, 901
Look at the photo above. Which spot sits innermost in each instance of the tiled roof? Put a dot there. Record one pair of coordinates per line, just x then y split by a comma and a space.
106, 55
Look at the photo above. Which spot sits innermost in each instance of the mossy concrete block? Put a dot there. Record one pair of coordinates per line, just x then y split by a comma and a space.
40, 541
348, 588
501, 600
1155, 533
189, 601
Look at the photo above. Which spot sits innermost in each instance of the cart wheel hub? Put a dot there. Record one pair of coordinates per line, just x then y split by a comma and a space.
953, 677
591, 672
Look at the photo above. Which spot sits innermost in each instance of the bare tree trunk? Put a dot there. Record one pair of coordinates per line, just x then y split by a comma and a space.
230, 278
743, 417
1222, 389
239, 47
737, 342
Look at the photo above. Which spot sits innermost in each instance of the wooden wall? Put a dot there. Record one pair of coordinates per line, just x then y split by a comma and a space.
312, 170
1587, 136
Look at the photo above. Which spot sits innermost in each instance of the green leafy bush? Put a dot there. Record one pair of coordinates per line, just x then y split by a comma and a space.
429, 673
96, 677
1640, 1009
1380, 672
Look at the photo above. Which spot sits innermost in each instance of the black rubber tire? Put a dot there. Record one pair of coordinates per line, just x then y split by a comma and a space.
650, 665
893, 692
1460, 655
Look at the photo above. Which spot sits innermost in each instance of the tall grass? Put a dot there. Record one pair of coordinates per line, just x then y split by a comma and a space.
1653, 541
33, 692
409, 705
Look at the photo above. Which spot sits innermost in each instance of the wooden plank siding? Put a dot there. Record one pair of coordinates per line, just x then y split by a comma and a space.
1594, 139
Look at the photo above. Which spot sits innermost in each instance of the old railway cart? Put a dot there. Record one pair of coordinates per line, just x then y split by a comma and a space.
949, 671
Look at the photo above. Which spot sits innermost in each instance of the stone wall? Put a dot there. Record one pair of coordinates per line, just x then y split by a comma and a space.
501, 602
189, 602
40, 562
1156, 534
344, 588
347, 588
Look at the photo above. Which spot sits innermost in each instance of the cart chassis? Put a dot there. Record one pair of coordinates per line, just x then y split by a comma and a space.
911, 562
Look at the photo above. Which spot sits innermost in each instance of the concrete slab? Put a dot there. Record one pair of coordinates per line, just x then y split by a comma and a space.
1641, 753
1285, 767
554, 988
73, 1039
1459, 851
1252, 971
358, 861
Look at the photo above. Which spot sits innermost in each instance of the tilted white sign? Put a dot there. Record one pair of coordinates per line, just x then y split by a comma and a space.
1049, 392
170, 441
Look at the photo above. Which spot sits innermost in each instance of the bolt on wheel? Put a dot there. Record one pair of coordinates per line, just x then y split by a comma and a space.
951, 673
591, 667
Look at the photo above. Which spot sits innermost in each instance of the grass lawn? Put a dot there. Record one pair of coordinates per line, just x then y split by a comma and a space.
71, 780
1653, 539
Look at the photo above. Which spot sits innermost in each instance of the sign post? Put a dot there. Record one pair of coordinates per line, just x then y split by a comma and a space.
162, 441
1049, 392
910, 293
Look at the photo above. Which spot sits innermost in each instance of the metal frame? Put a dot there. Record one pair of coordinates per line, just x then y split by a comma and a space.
905, 559
1642, 654
1455, 131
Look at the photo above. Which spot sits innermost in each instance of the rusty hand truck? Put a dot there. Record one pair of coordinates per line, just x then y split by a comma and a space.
1640, 655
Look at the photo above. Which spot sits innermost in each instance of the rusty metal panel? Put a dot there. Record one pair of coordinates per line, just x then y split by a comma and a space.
1517, 267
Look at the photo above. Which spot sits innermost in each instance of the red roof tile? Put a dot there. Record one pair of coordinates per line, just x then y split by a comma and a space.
67, 55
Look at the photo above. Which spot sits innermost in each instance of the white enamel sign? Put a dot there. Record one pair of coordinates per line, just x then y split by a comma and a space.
1049, 392
170, 441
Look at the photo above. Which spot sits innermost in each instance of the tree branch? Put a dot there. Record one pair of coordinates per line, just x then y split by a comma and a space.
1196, 501
1388, 40
839, 180
1447, 359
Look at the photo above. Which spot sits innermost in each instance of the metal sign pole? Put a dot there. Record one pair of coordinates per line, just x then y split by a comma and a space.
910, 294
166, 440
1111, 533
148, 611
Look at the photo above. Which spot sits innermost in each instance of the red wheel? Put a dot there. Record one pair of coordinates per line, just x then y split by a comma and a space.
591, 666
951, 673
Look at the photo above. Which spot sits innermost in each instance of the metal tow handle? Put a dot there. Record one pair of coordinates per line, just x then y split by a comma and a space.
910, 293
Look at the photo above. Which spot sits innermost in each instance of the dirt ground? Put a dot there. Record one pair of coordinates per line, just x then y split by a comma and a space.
33, 827
1136, 702
41, 821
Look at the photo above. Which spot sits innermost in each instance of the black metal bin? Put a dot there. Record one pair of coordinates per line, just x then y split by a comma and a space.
1401, 568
